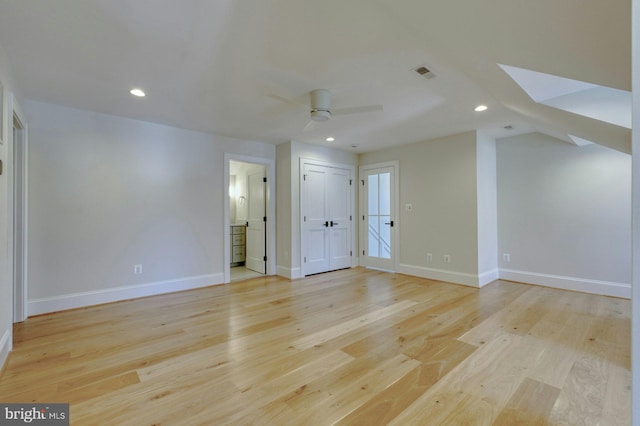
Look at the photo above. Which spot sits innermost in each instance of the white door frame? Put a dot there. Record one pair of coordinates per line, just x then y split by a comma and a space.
395, 235
352, 171
17, 119
271, 211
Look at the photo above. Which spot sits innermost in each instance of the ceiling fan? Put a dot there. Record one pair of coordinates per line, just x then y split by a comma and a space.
320, 107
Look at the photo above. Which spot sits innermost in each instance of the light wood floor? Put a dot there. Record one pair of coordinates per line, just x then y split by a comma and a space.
349, 347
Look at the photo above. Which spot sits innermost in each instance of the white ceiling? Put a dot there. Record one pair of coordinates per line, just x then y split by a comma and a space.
213, 66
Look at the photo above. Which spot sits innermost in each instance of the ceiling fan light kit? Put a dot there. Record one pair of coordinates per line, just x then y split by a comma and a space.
320, 115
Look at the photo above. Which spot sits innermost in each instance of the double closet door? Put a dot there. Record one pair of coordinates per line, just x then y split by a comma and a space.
326, 201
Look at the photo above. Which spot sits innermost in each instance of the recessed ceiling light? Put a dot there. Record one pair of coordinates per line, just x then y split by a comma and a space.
330, 139
481, 108
137, 92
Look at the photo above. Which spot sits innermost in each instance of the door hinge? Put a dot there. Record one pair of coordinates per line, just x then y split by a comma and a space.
264, 179
265, 258
363, 252
362, 180
305, 218
304, 177
264, 219
350, 182
350, 217
305, 260
362, 217
351, 253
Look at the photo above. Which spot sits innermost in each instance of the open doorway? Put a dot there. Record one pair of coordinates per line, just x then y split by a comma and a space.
247, 220
232, 199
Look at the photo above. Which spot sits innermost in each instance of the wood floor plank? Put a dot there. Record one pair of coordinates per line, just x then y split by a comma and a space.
530, 405
351, 347
480, 385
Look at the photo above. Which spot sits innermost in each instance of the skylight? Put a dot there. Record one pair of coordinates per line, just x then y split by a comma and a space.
580, 141
590, 100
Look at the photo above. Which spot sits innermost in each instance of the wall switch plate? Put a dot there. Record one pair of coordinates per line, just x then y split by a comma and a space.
506, 257
447, 258
408, 207
429, 257
137, 269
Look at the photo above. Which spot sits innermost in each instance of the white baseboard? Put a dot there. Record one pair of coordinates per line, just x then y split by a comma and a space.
114, 294
442, 275
488, 277
5, 346
568, 283
291, 273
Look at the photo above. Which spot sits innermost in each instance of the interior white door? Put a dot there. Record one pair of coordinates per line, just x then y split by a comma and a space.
315, 220
378, 195
339, 205
256, 224
327, 218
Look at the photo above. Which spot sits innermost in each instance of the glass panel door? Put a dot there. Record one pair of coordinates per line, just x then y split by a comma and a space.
378, 204
379, 215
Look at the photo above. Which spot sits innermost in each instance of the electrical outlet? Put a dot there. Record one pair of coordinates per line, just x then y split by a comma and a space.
408, 207
447, 258
506, 257
429, 257
137, 269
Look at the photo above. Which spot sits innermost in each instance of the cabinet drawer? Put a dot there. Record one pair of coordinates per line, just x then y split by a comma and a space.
237, 254
238, 230
237, 239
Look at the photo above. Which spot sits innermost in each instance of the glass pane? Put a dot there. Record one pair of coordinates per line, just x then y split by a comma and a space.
385, 193
385, 237
372, 195
374, 236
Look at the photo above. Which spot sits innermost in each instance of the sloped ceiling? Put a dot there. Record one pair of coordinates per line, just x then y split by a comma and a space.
215, 66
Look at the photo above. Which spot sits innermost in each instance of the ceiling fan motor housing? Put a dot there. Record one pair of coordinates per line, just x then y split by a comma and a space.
320, 103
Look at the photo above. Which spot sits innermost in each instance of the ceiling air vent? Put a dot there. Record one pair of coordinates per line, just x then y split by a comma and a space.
424, 72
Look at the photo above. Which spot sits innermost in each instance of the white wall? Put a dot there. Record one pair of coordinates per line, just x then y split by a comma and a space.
288, 194
439, 178
107, 193
564, 214
635, 334
487, 209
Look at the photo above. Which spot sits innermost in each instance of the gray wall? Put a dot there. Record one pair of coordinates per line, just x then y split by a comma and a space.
564, 212
107, 193
440, 179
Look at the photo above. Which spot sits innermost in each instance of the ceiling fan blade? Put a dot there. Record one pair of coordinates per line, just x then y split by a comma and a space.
356, 110
310, 126
288, 101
